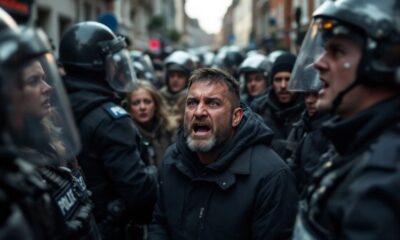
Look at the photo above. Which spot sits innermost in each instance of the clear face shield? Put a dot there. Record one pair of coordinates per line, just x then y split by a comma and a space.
304, 77
38, 113
120, 73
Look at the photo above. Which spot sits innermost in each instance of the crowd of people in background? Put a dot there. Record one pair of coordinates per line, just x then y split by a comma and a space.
107, 142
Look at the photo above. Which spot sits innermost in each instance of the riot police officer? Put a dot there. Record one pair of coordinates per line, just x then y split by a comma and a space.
41, 198
355, 46
306, 143
254, 77
178, 67
98, 70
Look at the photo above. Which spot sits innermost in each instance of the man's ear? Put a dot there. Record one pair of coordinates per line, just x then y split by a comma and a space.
237, 116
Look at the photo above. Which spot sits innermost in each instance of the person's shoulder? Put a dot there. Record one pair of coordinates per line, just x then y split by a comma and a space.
385, 152
114, 111
258, 103
265, 160
163, 91
170, 155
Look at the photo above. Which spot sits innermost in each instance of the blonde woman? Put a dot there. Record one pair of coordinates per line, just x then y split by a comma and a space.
148, 110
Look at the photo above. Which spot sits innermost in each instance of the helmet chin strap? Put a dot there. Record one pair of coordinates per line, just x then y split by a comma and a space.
339, 98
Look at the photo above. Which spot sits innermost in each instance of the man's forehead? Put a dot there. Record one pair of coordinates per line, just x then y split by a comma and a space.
208, 89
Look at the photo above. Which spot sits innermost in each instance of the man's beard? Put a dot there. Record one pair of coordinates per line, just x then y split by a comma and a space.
206, 145
201, 147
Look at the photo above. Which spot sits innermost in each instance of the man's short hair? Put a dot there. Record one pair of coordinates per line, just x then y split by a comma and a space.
215, 75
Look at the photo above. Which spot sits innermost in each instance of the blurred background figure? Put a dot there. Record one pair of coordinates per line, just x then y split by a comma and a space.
254, 73
159, 72
178, 67
280, 108
208, 59
143, 67
272, 56
98, 71
306, 142
149, 112
229, 59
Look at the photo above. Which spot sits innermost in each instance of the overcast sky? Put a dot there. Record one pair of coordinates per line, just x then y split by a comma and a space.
208, 12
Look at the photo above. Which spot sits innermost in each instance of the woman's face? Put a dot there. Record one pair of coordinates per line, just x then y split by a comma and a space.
142, 107
36, 90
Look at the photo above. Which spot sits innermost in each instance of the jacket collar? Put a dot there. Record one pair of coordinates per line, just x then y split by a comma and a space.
225, 179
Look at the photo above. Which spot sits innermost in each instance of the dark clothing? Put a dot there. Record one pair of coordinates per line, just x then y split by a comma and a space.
247, 99
122, 190
155, 142
69, 193
248, 193
27, 210
306, 145
279, 117
355, 194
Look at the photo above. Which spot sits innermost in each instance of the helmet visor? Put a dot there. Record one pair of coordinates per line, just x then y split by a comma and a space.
305, 78
38, 112
120, 73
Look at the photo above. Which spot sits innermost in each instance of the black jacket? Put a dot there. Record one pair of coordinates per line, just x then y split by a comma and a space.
110, 156
248, 193
306, 145
279, 117
355, 194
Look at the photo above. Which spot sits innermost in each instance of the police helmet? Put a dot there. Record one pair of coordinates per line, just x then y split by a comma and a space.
256, 63
142, 65
93, 46
180, 61
373, 24
229, 58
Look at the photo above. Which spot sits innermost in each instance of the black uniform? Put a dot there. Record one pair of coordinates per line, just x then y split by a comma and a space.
122, 190
305, 146
27, 209
355, 194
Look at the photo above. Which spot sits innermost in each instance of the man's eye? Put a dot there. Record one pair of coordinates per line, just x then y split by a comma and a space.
191, 103
335, 51
214, 104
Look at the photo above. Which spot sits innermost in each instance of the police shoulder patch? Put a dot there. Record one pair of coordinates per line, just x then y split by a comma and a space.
115, 111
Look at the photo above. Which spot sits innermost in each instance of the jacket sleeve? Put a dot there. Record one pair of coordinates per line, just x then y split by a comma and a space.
275, 207
158, 227
118, 145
